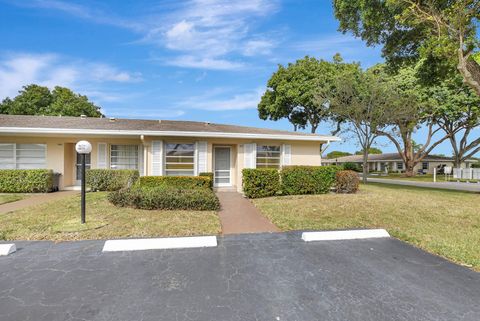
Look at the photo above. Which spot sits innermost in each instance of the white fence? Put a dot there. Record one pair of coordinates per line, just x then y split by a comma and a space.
466, 173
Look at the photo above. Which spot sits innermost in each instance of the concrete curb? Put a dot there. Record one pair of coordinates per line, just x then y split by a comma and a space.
6, 249
344, 235
159, 243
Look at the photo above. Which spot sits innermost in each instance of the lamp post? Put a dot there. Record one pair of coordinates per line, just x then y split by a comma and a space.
83, 148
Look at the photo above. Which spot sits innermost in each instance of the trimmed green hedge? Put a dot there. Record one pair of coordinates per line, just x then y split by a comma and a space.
165, 198
348, 166
209, 175
110, 179
26, 180
182, 182
298, 180
260, 182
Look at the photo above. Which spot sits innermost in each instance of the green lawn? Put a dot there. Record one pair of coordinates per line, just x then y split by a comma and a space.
416, 178
443, 222
8, 198
59, 220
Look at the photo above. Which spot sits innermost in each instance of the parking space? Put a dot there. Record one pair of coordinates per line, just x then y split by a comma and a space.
247, 277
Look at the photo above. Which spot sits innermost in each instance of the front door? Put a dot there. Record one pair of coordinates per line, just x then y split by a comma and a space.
78, 166
222, 175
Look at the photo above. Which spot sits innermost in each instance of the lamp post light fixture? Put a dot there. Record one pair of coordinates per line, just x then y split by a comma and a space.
83, 148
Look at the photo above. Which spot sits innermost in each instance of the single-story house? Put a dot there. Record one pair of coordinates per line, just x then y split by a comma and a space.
393, 162
154, 147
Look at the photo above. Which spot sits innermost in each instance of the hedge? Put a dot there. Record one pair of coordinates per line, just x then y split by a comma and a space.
348, 166
110, 179
260, 182
209, 175
298, 180
182, 182
165, 198
26, 180
346, 182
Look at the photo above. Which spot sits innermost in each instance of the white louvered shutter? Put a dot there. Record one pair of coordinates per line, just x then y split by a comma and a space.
286, 155
201, 157
157, 157
141, 163
250, 155
102, 155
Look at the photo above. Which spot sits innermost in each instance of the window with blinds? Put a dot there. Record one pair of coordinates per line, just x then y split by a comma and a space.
179, 159
124, 156
23, 156
268, 156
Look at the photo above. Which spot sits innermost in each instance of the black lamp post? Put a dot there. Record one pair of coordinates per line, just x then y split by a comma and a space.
83, 148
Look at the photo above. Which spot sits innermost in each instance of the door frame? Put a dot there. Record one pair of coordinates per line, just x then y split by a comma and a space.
229, 184
75, 181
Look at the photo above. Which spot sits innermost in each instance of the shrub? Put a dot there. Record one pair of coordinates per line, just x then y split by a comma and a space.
110, 179
26, 180
260, 182
209, 175
297, 180
165, 198
181, 182
351, 167
346, 182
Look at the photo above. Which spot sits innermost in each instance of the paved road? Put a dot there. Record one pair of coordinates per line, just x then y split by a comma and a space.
469, 187
263, 277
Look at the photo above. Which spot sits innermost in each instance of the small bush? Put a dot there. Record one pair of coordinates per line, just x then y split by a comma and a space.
209, 175
110, 179
298, 180
26, 180
260, 182
347, 182
181, 182
165, 198
352, 167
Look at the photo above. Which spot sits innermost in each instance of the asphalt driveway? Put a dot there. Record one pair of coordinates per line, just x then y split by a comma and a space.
247, 277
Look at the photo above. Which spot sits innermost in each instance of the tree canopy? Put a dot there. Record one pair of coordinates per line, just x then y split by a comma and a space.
336, 154
300, 92
371, 150
440, 34
39, 100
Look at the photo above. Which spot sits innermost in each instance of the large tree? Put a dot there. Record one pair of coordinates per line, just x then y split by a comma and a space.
438, 33
337, 154
38, 100
301, 92
457, 110
372, 150
408, 110
359, 102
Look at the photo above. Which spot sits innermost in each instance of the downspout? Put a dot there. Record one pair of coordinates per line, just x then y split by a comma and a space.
323, 150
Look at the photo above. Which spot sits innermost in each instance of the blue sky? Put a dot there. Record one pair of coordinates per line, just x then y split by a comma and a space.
206, 60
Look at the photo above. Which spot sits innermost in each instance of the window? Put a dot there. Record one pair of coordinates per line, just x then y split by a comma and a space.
399, 166
268, 156
124, 156
179, 159
425, 165
23, 156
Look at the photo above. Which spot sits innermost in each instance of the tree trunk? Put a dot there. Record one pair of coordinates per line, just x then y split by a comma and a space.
469, 71
409, 157
365, 165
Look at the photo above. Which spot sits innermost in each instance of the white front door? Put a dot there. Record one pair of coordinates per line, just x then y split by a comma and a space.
222, 171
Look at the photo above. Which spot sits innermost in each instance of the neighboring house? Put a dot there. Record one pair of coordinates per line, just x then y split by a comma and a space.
154, 147
393, 162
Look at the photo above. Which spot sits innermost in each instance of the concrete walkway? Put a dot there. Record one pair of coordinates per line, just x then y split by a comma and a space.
238, 215
34, 200
466, 187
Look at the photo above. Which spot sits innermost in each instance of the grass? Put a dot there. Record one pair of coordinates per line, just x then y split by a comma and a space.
446, 223
59, 220
8, 198
416, 178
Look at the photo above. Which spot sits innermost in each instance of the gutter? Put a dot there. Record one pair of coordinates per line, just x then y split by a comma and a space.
60, 131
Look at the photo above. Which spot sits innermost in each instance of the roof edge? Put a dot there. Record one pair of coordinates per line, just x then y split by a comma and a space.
29, 130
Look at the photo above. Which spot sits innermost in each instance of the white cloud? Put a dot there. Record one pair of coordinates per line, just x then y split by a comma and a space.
210, 101
51, 70
204, 63
258, 47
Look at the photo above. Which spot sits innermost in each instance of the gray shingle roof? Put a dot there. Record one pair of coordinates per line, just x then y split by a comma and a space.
119, 124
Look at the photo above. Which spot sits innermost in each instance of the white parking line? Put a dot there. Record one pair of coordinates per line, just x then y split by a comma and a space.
159, 243
6, 249
344, 235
